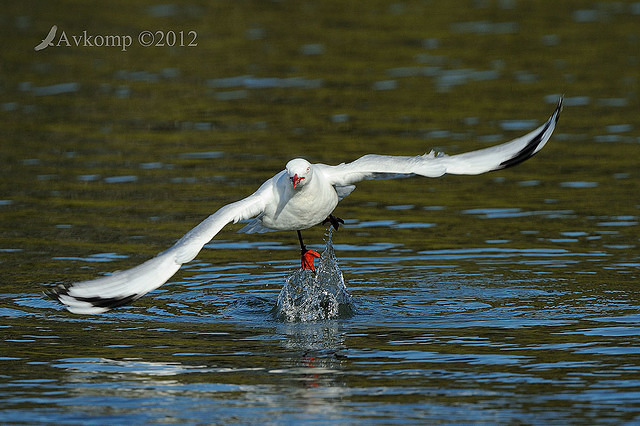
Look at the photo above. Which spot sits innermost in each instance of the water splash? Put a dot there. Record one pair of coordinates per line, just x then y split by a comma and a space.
312, 296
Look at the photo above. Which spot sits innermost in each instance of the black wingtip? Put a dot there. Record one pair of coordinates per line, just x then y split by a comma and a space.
108, 303
559, 107
530, 149
98, 302
55, 293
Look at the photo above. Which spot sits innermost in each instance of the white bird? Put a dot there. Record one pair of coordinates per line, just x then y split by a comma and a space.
299, 197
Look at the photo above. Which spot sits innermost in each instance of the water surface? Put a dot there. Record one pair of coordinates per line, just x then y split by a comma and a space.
503, 298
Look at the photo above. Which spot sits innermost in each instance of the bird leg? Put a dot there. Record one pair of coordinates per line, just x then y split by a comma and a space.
334, 221
308, 256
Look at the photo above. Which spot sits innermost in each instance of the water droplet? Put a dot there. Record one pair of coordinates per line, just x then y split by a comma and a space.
308, 296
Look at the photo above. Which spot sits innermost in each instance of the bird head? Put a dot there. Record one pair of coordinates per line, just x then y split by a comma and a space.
299, 172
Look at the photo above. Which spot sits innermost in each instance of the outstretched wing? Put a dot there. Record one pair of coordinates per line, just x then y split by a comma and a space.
123, 287
437, 164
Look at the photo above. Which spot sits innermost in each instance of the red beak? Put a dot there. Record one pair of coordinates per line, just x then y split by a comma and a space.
296, 180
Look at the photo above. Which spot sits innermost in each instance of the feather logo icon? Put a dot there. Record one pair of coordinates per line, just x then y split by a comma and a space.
47, 41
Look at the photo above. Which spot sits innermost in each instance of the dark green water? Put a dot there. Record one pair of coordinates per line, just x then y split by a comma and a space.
503, 298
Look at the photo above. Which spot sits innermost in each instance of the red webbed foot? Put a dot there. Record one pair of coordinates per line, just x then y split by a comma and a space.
308, 259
